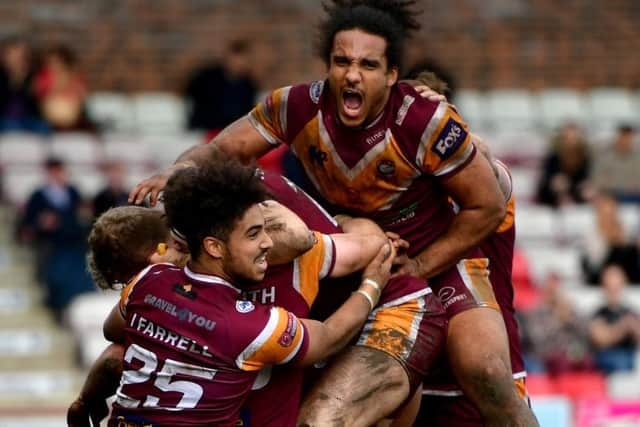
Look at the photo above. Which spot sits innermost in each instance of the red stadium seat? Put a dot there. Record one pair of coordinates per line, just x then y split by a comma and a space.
581, 385
540, 385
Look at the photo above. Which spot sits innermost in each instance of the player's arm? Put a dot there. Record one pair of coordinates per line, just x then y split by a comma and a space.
328, 337
102, 381
291, 236
482, 209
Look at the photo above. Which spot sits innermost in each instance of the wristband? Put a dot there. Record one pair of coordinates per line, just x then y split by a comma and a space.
373, 284
367, 296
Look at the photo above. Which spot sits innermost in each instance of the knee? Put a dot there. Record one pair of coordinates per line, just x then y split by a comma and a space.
488, 376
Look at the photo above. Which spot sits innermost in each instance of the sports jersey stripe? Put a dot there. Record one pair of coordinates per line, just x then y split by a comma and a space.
284, 100
296, 275
262, 130
405, 298
506, 169
209, 279
457, 392
296, 349
329, 253
126, 292
362, 164
415, 324
432, 126
322, 210
457, 161
261, 339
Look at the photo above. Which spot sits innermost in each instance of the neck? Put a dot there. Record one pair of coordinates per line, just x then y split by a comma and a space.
209, 267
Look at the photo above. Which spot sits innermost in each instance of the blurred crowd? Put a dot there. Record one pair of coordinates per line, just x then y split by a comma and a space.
45, 92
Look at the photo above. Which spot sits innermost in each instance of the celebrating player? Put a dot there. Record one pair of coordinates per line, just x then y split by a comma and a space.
372, 147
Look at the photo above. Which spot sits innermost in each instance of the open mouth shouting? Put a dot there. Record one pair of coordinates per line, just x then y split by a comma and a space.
352, 106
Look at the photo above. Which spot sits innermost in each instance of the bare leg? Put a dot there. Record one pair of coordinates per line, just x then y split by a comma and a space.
361, 387
479, 355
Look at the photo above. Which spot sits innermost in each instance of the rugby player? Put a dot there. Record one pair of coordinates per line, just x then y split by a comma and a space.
372, 147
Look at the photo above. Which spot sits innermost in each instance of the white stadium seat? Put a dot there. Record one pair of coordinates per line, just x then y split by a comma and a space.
525, 182
77, 148
512, 109
536, 224
608, 107
19, 182
563, 261
576, 222
111, 111
471, 105
158, 113
22, 149
559, 106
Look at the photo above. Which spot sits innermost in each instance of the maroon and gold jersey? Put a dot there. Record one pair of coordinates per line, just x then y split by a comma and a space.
389, 171
194, 347
499, 249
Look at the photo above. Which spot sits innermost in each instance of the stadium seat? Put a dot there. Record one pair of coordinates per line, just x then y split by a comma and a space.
576, 222
89, 181
167, 147
540, 385
525, 184
553, 411
19, 182
535, 224
76, 148
610, 106
158, 113
22, 149
623, 385
517, 147
630, 217
111, 111
132, 150
471, 105
512, 109
559, 106
551, 259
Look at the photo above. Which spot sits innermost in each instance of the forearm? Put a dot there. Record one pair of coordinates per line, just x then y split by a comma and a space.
104, 376
329, 337
467, 230
196, 155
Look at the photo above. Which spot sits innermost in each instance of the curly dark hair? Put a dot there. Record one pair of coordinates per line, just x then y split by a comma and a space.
393, 20
209, 199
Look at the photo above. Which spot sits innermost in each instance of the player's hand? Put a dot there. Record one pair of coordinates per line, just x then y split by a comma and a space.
427, 93
399, 243
406, 265
154, 185
379, 269
81, 414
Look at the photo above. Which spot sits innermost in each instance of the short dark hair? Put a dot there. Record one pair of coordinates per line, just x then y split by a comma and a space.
392, 20
208, 200
121, 241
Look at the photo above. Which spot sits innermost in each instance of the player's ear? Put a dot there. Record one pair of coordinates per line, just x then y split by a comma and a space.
213, 247
392, 76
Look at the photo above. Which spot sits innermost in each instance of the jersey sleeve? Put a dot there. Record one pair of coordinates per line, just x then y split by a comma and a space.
126, 292
283, 339
510, 200
445, 144
313, 266
269, 117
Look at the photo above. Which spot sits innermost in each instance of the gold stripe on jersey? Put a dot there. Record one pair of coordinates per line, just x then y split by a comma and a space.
366, 190
126, 292
268, 348
430, 162
270, 118
311, 267
475, 275
509, 219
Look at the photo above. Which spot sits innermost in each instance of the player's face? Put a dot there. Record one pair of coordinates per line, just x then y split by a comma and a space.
247, 247
359, 76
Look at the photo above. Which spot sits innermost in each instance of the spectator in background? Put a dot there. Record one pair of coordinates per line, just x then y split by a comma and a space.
220, 94
61, 90
616, 167
565, 172
555, 337
608, 243
615, 328
19, 110
53, 224
115, 193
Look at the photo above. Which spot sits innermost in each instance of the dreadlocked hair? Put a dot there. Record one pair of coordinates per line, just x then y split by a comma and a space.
393, 20
209, 199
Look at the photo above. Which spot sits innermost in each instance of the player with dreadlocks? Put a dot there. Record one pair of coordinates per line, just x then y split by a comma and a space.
373, 147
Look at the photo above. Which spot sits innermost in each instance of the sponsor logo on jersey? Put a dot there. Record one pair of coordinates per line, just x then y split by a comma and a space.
245, 306
290, 332
448, 296
317, 156
183, 314
375, 137
263, 296
315, 90
404, 108
450, 138
386, 168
